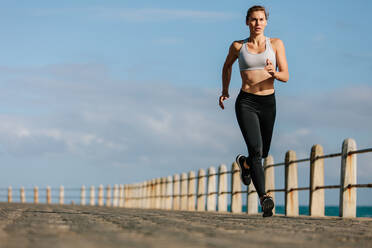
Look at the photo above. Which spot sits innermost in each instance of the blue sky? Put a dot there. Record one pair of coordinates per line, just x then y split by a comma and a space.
121, 91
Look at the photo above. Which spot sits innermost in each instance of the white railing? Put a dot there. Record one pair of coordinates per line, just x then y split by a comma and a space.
209, 191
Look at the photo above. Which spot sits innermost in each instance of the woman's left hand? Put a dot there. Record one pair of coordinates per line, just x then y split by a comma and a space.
270, 68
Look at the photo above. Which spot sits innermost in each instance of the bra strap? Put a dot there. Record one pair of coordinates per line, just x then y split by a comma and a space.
268, 43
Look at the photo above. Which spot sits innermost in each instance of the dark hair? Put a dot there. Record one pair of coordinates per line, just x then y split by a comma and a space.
256, 8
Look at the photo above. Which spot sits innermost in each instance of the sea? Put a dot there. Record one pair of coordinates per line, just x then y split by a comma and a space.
362, 211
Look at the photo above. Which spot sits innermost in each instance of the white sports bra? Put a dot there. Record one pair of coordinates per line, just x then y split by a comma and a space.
250, 61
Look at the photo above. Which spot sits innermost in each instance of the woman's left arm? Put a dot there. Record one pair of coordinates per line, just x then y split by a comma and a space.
282, 73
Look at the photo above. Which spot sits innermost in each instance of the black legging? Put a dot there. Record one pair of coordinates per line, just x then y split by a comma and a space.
256, 117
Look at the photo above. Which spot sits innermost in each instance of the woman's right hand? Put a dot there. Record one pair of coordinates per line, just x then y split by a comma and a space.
223, 97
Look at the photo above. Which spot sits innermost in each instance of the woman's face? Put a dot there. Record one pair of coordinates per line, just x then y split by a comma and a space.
257, 22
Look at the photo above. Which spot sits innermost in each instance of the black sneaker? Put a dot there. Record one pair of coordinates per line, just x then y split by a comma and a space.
267, 206
244, 172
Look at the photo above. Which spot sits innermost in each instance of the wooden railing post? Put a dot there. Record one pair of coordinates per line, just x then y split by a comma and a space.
191, 191
348, 196
252, 199
108, 196
152, 191
200, 203
136, 194
133, 195
22, 195
152, 197
82, 195
157, 193
115, 202
183, 199
148, 194
121, 193
10, 194
270, 177
160, 193
236, 188
169, 193
291, 196
100, 195
139, 194
316, 200
222, 188
48, 195
164, 193
143, 195
92, 196
136, 188
127, 195
211, 195
36, 195
61, 195
176, 192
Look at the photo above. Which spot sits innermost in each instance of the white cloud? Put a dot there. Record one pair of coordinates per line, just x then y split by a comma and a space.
293, 140
160, 125
153, 129
116, 118
341, 108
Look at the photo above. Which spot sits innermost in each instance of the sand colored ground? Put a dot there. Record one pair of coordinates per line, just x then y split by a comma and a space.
28, 225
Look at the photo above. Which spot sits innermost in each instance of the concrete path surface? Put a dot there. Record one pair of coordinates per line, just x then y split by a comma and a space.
28, 225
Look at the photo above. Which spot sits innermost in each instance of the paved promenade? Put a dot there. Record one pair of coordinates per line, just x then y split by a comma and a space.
28, 225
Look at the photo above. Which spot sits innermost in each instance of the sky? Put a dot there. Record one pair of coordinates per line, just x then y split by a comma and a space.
119, 92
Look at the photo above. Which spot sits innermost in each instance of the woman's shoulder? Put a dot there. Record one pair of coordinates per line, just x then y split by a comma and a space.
237, 44
239, 41
276, 42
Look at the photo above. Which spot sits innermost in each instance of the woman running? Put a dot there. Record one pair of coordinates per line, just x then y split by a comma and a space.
259, 57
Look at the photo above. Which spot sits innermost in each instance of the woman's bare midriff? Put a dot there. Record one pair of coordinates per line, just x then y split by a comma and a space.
258, 82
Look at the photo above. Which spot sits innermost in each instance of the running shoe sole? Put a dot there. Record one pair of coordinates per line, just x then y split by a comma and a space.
241, 169
267, 207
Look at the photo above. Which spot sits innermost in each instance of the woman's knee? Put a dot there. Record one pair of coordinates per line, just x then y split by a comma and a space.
255, 157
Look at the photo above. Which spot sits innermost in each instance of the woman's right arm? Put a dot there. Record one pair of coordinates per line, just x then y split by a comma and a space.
226, 71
